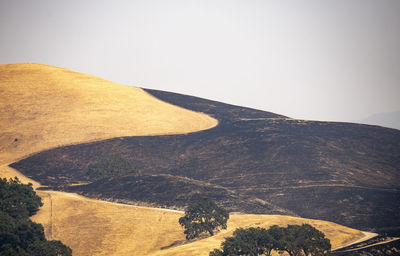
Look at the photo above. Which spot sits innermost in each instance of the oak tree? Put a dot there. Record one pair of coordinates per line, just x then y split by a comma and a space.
203, 217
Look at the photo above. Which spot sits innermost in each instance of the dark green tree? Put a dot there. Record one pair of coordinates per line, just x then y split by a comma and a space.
305, 240
314, 241
203, 217
251, 241
216, 252
296, 240
18, 200
292, 240
49, 248
19, 236
277, 234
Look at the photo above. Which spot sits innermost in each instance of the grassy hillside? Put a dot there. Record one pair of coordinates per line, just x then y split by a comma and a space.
341, 172
105, 228
44, 106
92, 227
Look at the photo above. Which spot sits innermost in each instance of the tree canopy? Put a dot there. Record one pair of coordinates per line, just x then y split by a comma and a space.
305, 240
296, 240
19, 236
18, 200
203, 217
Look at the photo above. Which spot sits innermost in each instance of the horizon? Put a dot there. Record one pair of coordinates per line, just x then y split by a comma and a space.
328, 61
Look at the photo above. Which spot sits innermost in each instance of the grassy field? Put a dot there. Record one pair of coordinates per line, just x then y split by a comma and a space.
43, 106
104, 228
92, 227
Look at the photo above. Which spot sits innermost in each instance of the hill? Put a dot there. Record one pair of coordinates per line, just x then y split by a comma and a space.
43, 106
151, 190
386, 119
341, 172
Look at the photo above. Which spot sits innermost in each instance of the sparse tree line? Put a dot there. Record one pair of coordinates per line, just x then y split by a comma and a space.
19, 236
205, 217
296, 240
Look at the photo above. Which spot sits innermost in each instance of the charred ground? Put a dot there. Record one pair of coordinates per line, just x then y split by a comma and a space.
253, 161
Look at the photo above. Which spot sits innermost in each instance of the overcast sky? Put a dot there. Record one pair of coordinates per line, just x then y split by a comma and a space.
321, 60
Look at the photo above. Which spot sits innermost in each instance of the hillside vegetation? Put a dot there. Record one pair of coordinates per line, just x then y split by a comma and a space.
44, 106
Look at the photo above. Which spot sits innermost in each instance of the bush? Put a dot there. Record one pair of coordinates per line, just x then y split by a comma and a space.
109, 166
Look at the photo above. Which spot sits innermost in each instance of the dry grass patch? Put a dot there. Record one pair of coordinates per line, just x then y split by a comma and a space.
92, 227
8, 172
44, 106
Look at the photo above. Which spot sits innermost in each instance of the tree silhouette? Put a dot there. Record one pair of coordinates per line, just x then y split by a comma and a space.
203, 217
19, 236
296, 240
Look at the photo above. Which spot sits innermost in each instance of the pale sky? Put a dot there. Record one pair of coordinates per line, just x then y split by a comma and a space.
313, 59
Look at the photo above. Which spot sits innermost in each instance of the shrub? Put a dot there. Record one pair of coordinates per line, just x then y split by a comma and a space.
109, 166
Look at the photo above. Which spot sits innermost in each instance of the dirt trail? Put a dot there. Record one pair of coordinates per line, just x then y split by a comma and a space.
388, 240
367, 236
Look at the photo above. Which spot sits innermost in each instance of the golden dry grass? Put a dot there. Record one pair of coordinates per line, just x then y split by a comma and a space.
8, 172
44, 106
92, 227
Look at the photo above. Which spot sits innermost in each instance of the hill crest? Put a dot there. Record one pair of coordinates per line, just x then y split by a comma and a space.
43, 106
